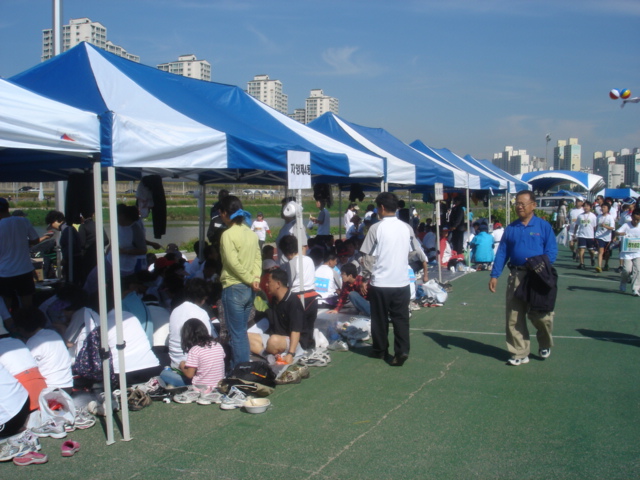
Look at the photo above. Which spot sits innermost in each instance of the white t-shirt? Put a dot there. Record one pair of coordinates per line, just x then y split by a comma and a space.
12, 396
389, 241
587, 223
630, 232
15, 257
327, 281
15, 356
602, 233
573, 218
177, 319
137, 351
261, 228
347, 219
51, 355
309, 275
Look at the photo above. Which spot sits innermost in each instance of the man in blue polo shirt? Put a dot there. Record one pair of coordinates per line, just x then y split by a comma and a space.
526, 237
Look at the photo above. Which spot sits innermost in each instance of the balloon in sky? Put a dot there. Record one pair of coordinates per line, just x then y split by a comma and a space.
614, 94
625, 93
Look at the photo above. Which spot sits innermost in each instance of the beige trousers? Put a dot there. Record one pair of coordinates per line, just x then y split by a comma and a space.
516, 315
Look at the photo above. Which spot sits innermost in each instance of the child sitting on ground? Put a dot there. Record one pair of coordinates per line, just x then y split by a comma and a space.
351, 283
204, 364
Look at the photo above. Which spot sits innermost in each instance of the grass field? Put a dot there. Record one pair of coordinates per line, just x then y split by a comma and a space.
454, 411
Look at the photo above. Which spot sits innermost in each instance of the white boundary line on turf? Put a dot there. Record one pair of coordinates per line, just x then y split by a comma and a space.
466, 332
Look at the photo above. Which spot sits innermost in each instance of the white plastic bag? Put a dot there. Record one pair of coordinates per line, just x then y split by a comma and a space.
56, 405
433, 290
561, 238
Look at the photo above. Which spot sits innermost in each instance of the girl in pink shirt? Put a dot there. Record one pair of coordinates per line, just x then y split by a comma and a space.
205, 357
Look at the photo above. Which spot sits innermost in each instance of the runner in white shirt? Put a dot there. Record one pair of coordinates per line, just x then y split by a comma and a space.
630, 253
573, 217
606, 225
585, 230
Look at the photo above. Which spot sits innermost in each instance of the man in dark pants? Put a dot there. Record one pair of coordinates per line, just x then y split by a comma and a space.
457, 225
385, 268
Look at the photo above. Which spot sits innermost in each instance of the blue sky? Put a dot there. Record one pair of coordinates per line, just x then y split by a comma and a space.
469, 75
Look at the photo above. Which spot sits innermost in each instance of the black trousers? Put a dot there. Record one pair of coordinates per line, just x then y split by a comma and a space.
310, 313
390, 305
14, 425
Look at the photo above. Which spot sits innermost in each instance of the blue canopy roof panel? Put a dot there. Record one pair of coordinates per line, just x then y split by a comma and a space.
153, 119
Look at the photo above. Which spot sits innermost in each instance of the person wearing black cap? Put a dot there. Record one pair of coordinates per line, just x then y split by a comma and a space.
16, 269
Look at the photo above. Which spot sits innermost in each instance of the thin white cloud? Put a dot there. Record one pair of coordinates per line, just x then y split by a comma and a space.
269, 45
348, 61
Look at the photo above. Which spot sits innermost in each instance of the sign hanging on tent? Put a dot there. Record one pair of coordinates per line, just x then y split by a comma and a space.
299, 169
438, 191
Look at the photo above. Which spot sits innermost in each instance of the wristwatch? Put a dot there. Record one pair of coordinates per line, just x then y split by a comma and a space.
292, 354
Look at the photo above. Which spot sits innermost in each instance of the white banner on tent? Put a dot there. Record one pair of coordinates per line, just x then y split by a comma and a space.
299, 169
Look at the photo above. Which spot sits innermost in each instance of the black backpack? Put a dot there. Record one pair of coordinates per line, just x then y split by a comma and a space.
253, 378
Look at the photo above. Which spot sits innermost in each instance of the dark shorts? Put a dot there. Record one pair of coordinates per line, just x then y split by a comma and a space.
602, 243
588, 243
21, 285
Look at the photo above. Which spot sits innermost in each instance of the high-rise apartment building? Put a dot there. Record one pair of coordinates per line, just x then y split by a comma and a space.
572, 155
558, 156
188, 66
618, 168
319, 103
83, 30
269, 92
513, 161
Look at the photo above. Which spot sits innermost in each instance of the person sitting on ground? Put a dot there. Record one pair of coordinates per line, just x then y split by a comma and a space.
482, 248
268, 252
429, 244
448, 257
17, 359
132, 290
14, 405
352, 290
356, 231
279, 333
268, 266
328, 281
196, 293
289, 247
204, 364
47, 348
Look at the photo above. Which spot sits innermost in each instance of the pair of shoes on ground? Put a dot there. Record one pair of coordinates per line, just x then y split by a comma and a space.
315, 358
82, 421
201, 395
516, 362
18, 446
338, 346
293, 374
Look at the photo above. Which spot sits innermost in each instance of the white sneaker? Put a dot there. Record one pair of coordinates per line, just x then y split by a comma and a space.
189, 396
544, 352
51, 429
18, 445
209, 398
234, 399
636, 293
516, 362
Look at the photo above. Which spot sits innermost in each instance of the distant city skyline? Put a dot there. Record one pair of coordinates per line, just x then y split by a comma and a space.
466, 75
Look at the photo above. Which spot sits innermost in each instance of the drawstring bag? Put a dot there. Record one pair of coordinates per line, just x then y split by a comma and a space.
88, 363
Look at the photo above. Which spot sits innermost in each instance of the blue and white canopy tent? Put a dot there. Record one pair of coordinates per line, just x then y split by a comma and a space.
159, 122
488, 181
403, 165
515, 184
618, 193
42, 133
546, 180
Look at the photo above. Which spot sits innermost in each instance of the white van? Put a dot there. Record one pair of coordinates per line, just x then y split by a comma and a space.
550, 204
